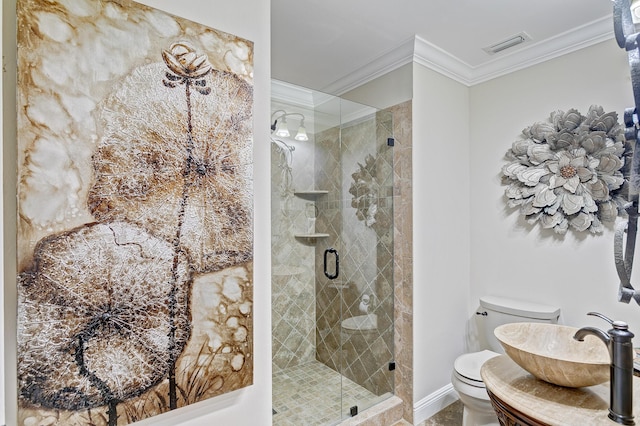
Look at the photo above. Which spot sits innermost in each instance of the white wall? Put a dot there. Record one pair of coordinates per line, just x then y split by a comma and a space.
249, 19
440, 227
509, 257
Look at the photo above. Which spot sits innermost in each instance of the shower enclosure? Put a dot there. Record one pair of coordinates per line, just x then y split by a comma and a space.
332, 256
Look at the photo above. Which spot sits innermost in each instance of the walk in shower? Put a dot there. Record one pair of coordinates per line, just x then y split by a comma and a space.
332, 256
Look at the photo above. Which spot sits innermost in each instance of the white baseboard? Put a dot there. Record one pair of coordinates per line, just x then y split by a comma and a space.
431, 404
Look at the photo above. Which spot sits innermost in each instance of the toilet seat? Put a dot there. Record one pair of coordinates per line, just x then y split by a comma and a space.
467, 367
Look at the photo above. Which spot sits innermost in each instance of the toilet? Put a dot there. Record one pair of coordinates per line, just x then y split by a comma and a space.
466, 380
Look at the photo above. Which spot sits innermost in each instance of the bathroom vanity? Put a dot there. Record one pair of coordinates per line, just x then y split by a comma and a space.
520, 399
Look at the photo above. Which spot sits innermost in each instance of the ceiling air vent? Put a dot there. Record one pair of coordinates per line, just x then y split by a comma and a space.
506, 44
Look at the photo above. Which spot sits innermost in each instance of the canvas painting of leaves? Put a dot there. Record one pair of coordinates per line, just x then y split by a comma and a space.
135, 221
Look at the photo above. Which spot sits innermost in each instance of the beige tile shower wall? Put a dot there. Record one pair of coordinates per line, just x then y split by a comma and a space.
403, 255
293, 283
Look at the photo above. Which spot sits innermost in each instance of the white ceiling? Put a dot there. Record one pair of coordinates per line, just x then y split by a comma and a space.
336, 45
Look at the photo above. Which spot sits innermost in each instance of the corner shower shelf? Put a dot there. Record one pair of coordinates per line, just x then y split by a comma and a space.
310, 236
310, 194
310, 239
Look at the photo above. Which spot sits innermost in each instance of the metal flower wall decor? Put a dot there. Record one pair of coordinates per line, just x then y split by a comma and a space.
367, 189
566, 172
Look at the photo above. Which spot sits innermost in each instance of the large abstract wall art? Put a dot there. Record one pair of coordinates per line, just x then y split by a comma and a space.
135, 220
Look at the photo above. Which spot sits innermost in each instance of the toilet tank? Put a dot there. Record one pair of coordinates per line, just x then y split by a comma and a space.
495, 311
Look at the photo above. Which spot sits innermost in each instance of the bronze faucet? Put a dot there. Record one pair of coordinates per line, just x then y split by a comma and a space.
618, 341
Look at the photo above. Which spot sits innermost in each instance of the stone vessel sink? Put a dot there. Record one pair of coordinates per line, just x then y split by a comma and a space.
549, 352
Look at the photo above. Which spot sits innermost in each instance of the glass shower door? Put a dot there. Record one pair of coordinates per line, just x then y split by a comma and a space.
354, 264
332, 261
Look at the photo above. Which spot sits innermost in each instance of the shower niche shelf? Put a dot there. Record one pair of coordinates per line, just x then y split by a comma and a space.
314, 235
310, 238
310, 194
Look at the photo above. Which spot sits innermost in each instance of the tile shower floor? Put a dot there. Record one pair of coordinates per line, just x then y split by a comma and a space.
309, 394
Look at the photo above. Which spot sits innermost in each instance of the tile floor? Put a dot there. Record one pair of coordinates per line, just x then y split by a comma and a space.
309, 395
449, 416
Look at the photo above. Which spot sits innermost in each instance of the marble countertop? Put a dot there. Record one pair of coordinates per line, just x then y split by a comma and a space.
551, 404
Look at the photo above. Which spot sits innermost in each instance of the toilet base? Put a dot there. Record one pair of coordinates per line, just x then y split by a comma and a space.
478, 410
476, 418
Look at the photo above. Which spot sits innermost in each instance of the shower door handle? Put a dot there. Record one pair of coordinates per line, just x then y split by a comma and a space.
337, 271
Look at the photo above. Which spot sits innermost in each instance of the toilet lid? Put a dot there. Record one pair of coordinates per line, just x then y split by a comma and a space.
468, 365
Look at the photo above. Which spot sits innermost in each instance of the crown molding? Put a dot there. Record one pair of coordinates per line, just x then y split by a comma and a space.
383, 64
291, 94
570, 41
422, 52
